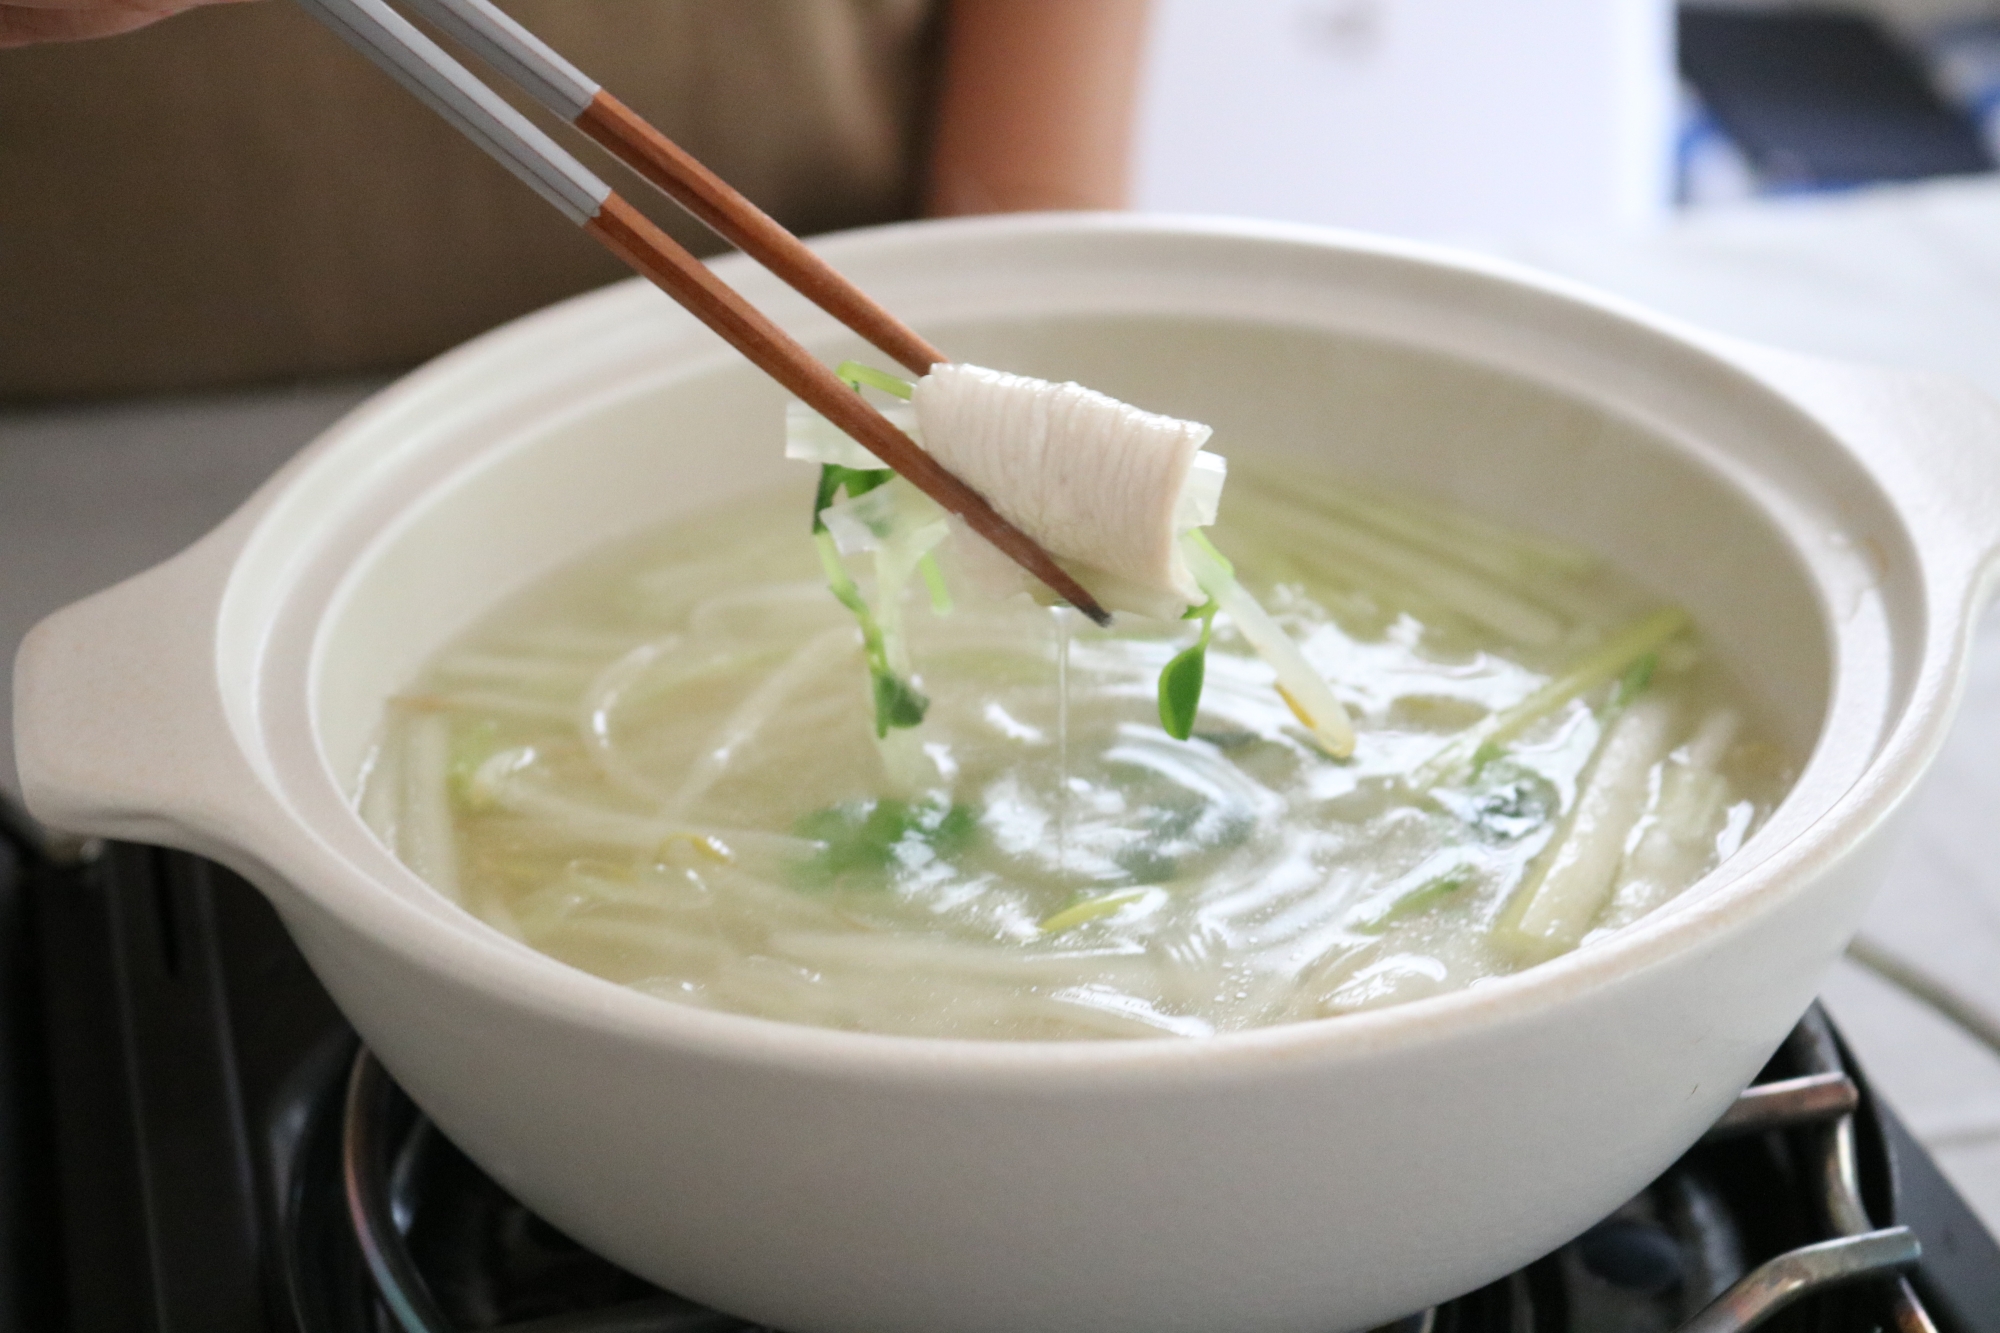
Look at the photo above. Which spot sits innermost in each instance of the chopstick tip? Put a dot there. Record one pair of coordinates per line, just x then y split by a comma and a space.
1098, 615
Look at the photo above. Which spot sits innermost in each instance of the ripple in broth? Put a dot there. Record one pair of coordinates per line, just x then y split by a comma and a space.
660, 766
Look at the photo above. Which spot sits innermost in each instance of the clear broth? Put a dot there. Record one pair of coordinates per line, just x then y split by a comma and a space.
660, 766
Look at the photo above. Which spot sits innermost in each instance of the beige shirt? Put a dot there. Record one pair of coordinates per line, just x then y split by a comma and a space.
234, 195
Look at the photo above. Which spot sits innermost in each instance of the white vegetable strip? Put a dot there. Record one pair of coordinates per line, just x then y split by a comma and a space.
528, 673
876, 1002
750, 716
1105, 1000
1609, 660
1451, 534
1706, 748
1572, 879
427, 842
891, 515
1201, 494
382, 787
901, 955
1475, 596
481, 787
1676, 844
1303, 688
498, 702
895, 565
581, 822
603, 695
773, 610
811, 438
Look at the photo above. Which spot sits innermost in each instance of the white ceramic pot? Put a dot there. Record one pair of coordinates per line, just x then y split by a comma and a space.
1831, 527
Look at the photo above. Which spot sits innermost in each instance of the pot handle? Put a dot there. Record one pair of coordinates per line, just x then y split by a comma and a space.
120, 728
1931, 441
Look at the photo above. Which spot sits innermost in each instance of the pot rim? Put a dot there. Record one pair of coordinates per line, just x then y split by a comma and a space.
514, 975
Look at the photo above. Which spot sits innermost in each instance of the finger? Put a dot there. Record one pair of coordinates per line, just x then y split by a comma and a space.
25, 22
155, 8
22, 26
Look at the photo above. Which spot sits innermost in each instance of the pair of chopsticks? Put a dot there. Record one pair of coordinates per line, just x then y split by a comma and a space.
421, 66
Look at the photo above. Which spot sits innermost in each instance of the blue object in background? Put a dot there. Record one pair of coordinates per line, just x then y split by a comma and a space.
1803, 100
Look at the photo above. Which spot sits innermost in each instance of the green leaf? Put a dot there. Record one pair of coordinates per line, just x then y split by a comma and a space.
897, 702
863, 840
1505, 801
1180, 682
1180, 691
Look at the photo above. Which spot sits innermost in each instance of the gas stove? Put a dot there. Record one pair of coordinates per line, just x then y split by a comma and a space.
218, 1153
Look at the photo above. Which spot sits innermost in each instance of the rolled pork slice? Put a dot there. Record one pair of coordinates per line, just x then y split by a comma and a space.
1103, 486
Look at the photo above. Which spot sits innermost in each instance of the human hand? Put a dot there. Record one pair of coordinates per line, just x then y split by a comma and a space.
24, 22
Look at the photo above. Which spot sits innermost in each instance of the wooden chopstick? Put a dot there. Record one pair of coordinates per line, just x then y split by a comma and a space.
756, 233
634, 238
571, 94
415, 61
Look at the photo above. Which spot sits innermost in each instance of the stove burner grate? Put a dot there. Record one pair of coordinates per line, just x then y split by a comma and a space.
1678, 1257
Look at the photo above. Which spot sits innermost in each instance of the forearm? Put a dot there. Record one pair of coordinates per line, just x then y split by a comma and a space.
1036, 106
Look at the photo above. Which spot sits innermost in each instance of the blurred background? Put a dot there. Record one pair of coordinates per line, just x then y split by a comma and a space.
1451, 121
220, 232
233, 197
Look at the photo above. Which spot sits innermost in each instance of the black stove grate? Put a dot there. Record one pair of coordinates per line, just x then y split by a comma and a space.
211, 1138
1782, 1175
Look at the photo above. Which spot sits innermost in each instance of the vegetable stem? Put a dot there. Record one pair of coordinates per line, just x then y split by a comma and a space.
1610, 660
1418, 900
427, 840
935, 585
1474, 595
1090, 909
1676, 842
1303, 689
1573, 878
855, 374
897, 702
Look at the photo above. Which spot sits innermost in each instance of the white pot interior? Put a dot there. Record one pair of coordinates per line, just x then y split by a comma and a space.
536, 445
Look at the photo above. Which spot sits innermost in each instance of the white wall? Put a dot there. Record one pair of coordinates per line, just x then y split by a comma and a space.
1434, 118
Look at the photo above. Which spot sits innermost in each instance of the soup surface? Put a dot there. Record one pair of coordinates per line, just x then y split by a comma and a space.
661, 766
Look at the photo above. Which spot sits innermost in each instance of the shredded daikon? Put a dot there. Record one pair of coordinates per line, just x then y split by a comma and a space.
1118, 494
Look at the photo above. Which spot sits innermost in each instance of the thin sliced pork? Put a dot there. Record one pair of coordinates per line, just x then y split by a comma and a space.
1099, 483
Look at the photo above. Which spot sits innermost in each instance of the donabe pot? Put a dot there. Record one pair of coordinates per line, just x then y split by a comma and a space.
1831, 528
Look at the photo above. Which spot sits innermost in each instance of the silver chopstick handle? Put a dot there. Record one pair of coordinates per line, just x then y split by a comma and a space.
510, 48
421, 65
